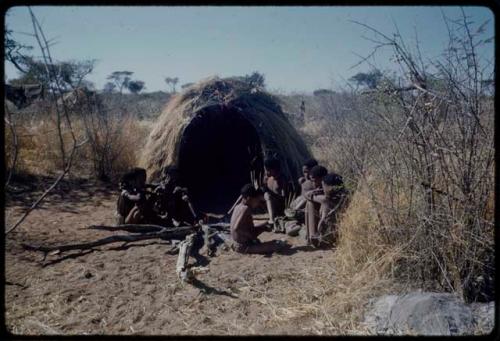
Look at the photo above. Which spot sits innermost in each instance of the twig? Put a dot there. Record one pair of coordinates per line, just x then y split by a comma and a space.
164, 233
67, 162
15, 147
137, 228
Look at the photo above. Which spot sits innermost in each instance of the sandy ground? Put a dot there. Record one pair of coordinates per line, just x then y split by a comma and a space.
134, 289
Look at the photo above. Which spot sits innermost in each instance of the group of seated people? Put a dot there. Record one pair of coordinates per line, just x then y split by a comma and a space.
312, 214
164, 203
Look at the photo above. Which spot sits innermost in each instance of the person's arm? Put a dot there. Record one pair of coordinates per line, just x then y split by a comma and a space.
309, 195
131, 197
319, 198
265, 225
280, 190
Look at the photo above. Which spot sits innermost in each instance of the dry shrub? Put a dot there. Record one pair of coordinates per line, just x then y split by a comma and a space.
40, 153
423, 156
114, 145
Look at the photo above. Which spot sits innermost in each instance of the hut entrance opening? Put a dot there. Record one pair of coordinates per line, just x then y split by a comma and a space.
219, 149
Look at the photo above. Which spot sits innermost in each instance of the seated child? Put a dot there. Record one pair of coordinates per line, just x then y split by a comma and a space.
129, 196
274, 189
312, 207
332, 199
243, 231
305, 185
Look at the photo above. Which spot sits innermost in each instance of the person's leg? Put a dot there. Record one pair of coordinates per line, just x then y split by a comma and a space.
120, 220
312, 217
292, 228
270, 207
299, 203
134, 216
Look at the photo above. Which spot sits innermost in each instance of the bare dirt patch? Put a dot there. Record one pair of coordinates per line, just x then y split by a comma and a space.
133, 289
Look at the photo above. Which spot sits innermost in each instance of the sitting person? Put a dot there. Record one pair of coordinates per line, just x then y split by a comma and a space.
135, 204
274, 189
332, 198
306, 185
243, 231
127, 197
306, 169
132, 184
295, 215
173, 204
312, 207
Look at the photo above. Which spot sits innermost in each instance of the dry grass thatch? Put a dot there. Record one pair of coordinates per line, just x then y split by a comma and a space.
276, 134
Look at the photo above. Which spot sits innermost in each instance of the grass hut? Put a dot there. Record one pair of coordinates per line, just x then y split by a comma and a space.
216, 132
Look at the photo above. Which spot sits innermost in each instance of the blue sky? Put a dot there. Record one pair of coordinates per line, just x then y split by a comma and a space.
299, 49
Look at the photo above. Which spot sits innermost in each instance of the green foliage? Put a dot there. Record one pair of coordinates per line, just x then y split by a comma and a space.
65, 75
120, 79
323, 92
135, 86
369, 79
256, 79
172, 81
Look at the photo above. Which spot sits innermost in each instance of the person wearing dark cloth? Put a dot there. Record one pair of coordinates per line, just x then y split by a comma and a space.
142, 211
127, 197
332, 199
131, 197
243, 231
274, 189
312, 207
173, 204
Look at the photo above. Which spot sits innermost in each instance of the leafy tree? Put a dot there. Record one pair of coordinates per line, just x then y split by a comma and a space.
120, 79
323, 92
14, 51
368, 79
109, 87
172, 81
66, 75
256, 79
135, 86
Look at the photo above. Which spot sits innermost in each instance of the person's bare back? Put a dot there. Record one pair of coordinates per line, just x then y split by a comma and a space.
242, 224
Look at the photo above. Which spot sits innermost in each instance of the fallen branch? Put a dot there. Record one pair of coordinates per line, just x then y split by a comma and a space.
165, 233
135, 228
182, 261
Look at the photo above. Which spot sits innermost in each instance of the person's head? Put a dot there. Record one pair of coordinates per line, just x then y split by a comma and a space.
251, 196
308, 165
272, 166
316, 175
127, 180
332, 183
140, 176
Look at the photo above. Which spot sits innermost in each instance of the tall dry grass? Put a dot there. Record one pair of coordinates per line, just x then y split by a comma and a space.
40, 154
422, 160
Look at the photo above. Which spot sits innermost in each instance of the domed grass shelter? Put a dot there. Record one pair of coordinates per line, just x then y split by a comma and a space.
216, 132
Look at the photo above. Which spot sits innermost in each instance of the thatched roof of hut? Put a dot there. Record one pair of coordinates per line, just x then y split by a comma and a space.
219, 127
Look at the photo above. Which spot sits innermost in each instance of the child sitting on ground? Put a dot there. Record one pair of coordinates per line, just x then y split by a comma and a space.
274, 189
332, 199
243, 231
129, 196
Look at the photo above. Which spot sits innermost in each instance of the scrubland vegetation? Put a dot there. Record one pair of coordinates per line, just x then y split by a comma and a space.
416, 150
